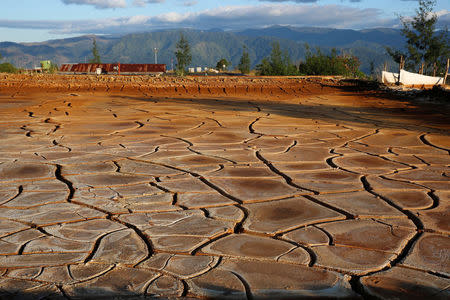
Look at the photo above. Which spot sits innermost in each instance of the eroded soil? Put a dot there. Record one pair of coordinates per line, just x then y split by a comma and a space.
221, 188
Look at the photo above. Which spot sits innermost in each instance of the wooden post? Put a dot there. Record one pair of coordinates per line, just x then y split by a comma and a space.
400, 67
385, 66
446, 71
421, 68
434, 69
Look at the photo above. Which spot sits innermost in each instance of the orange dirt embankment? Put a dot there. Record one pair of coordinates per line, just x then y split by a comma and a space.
169, 86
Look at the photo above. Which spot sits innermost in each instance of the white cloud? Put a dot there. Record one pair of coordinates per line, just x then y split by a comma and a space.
102, 4
138, 20
297, 1
172, 17
442, 13
443, 18
145, 2
310, 1
297, 15
190, 3
140, 3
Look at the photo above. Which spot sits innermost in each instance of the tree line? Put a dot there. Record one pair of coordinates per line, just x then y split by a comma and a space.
279, 63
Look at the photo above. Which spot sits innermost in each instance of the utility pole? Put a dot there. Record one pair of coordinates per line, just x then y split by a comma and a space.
156, 55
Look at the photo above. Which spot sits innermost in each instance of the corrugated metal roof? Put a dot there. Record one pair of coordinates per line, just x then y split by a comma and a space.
112, 68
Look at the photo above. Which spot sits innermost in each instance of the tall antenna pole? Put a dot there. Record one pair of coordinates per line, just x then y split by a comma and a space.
156, 55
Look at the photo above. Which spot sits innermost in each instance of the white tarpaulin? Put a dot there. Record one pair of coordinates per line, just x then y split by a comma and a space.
408, 78
389, 77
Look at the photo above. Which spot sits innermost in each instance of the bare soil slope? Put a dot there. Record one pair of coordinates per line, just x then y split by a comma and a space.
221, 188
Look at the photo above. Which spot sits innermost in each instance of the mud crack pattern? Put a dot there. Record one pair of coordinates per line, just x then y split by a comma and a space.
116, 195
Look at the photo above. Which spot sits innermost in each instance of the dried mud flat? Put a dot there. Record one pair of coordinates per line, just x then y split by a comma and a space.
220, 188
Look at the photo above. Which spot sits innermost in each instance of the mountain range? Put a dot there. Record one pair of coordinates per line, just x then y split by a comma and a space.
209, 46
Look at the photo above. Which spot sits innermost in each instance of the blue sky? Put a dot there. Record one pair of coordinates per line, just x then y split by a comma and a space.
39, 20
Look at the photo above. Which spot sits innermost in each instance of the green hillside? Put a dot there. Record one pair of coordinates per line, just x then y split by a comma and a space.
207, 46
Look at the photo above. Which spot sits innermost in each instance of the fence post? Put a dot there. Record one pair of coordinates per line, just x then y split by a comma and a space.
446, 71
400, 67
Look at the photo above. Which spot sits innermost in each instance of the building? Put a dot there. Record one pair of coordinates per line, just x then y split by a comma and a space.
118, 68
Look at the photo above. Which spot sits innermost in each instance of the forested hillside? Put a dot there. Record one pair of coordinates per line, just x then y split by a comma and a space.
208, 46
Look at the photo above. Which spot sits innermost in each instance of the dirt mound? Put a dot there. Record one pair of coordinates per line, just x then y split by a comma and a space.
170, 86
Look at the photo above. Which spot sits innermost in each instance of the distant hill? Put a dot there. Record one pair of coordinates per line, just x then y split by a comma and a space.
328, 37
208, 46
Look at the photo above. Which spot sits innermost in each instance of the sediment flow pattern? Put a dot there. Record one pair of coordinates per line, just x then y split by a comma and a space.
221, 188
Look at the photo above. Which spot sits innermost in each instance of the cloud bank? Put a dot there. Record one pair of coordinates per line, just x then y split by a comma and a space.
227, 17
104, 4
100, 4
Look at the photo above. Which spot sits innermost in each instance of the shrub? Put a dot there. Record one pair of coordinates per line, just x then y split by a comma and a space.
53, 68
7, 68
278, 64
333, 64
222, 64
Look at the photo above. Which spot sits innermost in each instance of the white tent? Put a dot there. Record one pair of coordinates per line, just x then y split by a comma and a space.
408, 78
389, 77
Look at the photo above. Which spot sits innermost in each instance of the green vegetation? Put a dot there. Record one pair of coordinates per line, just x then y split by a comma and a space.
96, 56
208, 47
7, 68
372, 70
332, 64
424, 44
48, 66
183, 55
222, 65
244, 62
53, 68
277, 64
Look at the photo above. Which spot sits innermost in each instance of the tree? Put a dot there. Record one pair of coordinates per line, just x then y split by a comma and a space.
183, 54
265, 67
96, 57
332, 64
7, 68
276, 60
372, 69
53, 68
222, 64
423, 43
279, 63
244, 63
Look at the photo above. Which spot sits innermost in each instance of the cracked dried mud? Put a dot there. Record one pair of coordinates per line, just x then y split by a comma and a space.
228, 188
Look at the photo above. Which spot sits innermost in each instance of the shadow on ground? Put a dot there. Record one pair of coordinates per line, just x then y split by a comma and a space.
394, 290
432, 118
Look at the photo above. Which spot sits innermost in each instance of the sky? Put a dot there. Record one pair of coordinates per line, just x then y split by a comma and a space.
40, 20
